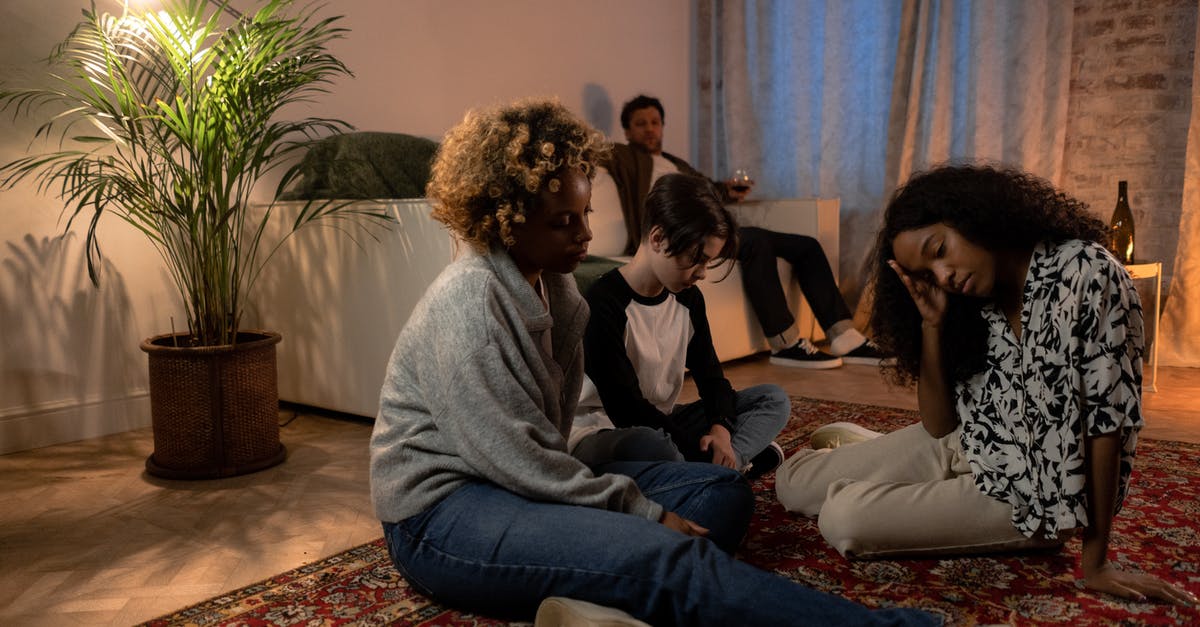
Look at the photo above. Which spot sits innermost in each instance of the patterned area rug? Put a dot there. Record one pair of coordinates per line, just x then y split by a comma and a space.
1158, 531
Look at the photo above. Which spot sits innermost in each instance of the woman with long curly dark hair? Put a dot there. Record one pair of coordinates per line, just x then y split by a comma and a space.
996, 295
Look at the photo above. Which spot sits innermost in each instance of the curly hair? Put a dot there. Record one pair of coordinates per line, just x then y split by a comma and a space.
999, 209
490, 167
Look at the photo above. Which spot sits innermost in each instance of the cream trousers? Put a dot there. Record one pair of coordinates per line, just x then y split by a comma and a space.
904, 494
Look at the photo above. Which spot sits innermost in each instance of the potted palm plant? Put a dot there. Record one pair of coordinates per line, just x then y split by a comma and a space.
167, 119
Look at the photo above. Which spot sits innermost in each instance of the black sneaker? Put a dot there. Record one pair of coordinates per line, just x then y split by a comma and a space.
866, 355
805, 355
767, 460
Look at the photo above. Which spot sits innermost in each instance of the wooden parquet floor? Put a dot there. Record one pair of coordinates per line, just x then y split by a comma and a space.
86, 538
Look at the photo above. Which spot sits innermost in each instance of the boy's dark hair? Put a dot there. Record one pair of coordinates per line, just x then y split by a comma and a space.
642, 101
688, 209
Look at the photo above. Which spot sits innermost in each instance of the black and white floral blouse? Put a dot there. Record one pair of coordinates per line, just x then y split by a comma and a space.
1076, 370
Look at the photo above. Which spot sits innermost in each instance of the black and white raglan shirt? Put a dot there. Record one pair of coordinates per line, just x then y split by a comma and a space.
636, 350
1075, 372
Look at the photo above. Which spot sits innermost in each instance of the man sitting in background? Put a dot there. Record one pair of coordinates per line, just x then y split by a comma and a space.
635, 166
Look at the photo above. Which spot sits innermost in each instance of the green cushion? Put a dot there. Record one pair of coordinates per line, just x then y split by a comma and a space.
593, 268
364, 165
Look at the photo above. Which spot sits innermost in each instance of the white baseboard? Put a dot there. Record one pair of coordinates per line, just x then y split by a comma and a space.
25, 428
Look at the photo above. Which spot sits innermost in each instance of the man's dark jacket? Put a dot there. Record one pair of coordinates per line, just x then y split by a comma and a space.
632, 167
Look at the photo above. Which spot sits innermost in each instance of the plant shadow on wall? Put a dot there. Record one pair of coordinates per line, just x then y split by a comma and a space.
343, 302
72, 341
166, 119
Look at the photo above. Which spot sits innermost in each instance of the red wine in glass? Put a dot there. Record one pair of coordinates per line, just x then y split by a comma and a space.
741, 181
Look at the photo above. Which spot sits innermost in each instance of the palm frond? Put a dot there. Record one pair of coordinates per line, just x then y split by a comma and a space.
167, 120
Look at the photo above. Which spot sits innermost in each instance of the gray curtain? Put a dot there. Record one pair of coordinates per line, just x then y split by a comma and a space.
1180, 345
847, 98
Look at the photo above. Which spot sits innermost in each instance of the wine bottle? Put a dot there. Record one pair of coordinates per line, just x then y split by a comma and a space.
1121, 236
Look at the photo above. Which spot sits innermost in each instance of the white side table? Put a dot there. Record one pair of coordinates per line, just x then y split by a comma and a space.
1151, 271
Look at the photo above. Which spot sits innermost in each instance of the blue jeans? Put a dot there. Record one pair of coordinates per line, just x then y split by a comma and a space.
487, 550
762, 412
626, 444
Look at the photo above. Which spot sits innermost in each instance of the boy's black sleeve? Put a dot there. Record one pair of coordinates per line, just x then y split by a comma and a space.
606, 361
715, 390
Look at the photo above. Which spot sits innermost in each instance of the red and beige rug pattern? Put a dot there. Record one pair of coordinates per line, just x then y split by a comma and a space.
1158, 531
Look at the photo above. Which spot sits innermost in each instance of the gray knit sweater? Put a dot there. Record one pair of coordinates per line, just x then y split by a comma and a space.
470, 395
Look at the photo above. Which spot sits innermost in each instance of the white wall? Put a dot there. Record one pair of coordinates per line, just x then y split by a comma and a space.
420, 64
70, 366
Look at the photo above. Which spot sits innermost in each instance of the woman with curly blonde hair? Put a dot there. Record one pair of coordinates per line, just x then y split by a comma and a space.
482, 506
491, 168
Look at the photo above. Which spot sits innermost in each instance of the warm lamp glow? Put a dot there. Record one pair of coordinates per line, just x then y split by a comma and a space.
141, 6
155, 6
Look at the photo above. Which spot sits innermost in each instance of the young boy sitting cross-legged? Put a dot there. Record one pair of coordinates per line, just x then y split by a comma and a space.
648, 324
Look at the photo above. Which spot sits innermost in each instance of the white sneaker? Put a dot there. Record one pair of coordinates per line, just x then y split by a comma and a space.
837, 434
564, 612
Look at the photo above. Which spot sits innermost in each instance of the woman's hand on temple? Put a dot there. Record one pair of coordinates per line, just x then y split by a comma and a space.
1137, 586
930, 299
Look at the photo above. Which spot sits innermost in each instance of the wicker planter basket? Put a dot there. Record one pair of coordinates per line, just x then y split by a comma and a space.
214, 409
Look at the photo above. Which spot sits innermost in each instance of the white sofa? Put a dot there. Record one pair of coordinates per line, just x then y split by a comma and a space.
340, 302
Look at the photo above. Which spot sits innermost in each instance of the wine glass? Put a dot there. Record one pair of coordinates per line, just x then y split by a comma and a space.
740, 183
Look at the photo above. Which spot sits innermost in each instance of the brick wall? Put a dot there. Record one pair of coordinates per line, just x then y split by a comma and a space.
1131, 80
